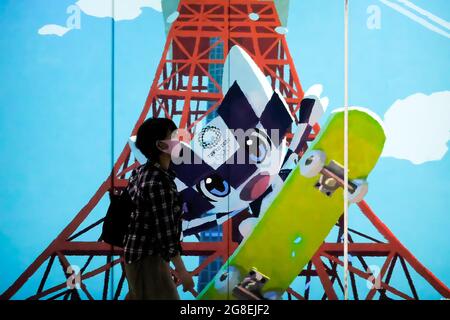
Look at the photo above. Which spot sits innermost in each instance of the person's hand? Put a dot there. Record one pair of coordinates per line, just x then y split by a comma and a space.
186, 280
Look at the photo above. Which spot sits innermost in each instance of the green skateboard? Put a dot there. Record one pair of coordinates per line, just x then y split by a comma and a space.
302, 215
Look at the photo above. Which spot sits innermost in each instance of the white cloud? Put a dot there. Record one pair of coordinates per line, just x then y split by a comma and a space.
53, 29
123, 9
418, 127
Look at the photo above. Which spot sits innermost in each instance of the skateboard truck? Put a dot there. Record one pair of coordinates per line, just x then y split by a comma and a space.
250, 288
331, 176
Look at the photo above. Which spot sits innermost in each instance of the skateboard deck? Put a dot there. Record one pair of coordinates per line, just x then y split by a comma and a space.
301, 216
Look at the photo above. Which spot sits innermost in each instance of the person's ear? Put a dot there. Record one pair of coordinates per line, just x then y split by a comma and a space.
162, 146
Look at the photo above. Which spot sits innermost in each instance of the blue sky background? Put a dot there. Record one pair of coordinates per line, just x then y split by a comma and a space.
55, 114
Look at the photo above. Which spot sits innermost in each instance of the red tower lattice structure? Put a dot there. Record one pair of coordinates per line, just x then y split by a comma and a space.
179, 91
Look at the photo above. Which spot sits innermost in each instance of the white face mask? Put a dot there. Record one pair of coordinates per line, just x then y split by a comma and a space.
171, 146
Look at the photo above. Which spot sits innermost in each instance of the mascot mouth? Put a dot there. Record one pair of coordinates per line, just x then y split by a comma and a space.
255, 187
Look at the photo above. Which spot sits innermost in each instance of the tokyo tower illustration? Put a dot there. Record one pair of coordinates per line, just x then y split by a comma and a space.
186, 89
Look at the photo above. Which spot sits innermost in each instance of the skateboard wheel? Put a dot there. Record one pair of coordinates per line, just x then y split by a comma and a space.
362, 187
312, 163
227, 280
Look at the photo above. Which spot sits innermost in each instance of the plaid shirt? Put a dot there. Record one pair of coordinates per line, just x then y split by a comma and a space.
155, 227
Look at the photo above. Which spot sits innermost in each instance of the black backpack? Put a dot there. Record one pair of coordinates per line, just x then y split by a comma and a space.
115, 223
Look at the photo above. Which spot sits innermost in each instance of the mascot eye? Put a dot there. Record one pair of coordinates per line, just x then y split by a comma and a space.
214, 187
257, 145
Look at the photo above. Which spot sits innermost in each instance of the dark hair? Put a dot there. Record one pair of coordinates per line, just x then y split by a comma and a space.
152, 130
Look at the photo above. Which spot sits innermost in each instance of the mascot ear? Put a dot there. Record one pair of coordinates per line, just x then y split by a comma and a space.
251, 79
137, 154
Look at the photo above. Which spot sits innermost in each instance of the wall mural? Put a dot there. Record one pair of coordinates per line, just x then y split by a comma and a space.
273, 100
